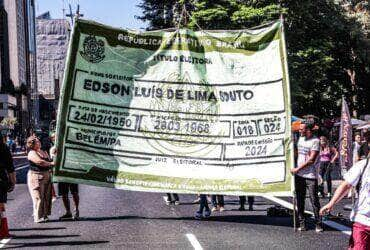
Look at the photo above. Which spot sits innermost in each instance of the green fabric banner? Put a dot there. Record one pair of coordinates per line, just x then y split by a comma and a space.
181, 111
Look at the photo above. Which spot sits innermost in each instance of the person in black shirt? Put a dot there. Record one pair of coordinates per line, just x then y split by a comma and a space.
7, 174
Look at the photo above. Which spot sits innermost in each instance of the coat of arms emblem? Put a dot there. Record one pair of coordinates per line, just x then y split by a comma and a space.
93, 49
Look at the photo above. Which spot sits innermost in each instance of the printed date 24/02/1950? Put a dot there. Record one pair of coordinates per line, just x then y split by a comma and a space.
108, 120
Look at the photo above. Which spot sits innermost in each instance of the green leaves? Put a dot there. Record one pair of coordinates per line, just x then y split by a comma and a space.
324, 41
247, 15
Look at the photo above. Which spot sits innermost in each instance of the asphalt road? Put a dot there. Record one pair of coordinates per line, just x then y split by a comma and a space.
116, 219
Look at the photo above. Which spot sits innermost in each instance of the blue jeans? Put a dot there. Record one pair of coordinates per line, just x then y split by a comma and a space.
203, 203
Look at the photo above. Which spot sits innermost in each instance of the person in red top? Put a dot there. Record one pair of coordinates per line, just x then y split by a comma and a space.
328, 156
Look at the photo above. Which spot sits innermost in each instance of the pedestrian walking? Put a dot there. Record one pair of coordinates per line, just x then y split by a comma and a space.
306, 174
39, 179
7, 183
218, 203
357, 177
328, 156
203, 206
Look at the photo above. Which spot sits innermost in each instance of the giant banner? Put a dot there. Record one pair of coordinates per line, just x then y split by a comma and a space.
176, 111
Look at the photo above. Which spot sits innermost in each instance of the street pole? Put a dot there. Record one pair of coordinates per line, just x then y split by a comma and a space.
287, 79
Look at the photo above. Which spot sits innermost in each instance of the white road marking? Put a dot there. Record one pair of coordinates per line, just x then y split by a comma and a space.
4, 241
332, 224
21, 166
339, 227
194, 242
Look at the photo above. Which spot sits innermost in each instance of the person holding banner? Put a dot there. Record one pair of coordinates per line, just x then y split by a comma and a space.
306, 174
172, 198
357, 177
242, 200
218, 203
39, 179
203, 205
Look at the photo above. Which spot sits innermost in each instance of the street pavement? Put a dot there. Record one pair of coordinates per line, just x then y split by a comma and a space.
117, 219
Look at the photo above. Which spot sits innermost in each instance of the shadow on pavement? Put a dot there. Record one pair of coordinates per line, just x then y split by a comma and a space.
245, 219
37, 229
54, 243
100, 218
42, 236
246, 210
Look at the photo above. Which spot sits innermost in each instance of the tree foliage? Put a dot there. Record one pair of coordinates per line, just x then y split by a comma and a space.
9, 122
328, 53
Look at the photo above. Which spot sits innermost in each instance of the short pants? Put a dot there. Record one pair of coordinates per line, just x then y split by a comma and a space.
64, 188
360, 238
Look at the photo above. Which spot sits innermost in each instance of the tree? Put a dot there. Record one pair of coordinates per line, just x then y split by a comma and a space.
8, 122
326, 46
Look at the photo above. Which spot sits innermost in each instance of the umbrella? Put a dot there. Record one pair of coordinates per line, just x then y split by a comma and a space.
354, 122
296, 122
295, 118
364, 126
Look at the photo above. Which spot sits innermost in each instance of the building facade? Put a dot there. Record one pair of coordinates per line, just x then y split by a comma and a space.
18, 62
52, 36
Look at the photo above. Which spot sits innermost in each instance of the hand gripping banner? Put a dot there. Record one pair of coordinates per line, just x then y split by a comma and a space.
183, 111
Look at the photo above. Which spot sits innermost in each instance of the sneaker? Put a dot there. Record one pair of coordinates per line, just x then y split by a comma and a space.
222, 209
46, 219
40, 220
177, 203
54, 199
329, 195
76, 215
319, 228
198, 215
207, 213
67, 216
241, 208
168, 202
214, 209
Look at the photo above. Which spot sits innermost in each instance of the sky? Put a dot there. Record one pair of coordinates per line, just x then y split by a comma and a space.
117, 13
